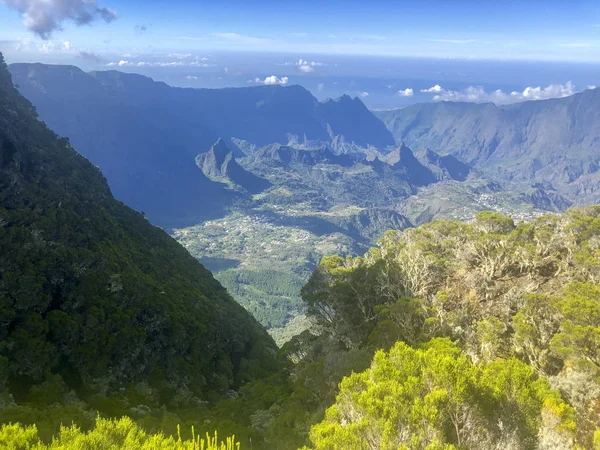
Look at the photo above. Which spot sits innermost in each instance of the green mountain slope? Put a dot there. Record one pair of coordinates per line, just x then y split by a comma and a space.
92, 292
452, 336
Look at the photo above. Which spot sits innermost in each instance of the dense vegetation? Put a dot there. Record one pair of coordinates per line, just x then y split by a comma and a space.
108, 435
499, 325
447, 336
99, 309
434, 397
263, 261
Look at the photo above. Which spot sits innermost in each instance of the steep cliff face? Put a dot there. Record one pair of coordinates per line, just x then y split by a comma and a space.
349, 117
219, 164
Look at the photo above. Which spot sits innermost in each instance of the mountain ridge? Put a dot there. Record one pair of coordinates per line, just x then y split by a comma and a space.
146, 135
554, 141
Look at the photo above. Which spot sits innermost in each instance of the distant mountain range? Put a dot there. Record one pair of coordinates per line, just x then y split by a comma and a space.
145, 135
553, 143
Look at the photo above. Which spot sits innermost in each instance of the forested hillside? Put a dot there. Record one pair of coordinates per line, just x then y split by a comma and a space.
493, 333
100, 310
447, 336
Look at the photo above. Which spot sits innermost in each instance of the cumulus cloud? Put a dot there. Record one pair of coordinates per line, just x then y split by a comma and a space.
43, 17
180, 55
272, 80
47, 47
304, 65
433, 89
363, 94
408, 92
478, 94
306, 69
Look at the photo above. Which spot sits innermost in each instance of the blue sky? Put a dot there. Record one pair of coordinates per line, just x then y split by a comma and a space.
389, 53
539, 30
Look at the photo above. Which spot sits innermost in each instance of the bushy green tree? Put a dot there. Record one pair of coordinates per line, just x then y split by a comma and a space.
434, 397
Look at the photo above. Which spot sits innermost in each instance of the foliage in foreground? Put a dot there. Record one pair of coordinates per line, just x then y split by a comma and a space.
434, 397
500, 291
107, 435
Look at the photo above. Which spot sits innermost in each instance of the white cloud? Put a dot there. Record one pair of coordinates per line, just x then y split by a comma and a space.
408, 92
592, 86
160, 64
478, 95
304, 65
191, 77
363, 94
180, 55
321, 86
433, 89
272, 80
306, 69
47, 47
23, 44
43, 17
